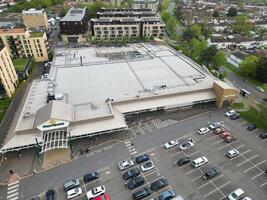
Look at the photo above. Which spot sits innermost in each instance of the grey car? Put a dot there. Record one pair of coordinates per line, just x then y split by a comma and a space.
71, 184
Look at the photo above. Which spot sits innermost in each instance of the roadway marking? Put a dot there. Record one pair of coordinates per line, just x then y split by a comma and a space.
217, 188
214, 136
189, 155
217, 142
191, 171
263, 184
176, 153
196, 178
10, 184
241, 123
245, 171
257, 175
242, 145
247, 160
12, 187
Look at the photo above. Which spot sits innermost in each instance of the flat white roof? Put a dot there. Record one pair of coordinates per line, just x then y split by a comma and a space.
103, 83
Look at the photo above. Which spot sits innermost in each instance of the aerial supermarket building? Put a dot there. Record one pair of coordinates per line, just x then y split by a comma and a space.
90, 90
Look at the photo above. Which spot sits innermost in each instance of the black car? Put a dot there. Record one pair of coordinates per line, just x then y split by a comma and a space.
251, 127
263, 135
90, 177
235, 116
183, 161
49, 195
131, 173
135, 182
158, 184
142, 193
211, 172
142, 158
36, 198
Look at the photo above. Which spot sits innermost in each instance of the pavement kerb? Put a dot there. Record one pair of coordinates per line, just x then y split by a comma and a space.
118, 142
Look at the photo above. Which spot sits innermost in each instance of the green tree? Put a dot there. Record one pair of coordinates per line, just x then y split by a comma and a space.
177, 12
242, 25
93, 8
171, 26
165, 16
261, 73
63, 12
249, 66
218, 60
195, 47
215, 14
232, 12
206, 57
196, 30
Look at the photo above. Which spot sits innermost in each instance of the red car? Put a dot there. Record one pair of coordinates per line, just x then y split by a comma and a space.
103, 197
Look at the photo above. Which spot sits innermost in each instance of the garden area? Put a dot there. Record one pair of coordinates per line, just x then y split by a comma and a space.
19, 63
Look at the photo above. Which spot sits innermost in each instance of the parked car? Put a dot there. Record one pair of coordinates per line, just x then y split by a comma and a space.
90, 177
171, 144
229, 138
236, 195
71, 184
263, 135
183, 161
235, 116
131, 173
211, 172
232, 153
167, 195
202, 131
49, 195
186, 145
230, 113
251, 127
97, 191
142, 193
135, 182
125, 164
214, 125
160, 183
36, 198
246, 198
199, 161
147, 166
103, 197
74, 193
260, 89
142, 158
219, 130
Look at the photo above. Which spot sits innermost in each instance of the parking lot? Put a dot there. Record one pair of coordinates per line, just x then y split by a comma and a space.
246, 171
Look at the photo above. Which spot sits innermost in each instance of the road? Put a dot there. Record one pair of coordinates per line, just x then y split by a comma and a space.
241, 84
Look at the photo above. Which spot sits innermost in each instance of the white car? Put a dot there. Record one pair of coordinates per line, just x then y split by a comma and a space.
186, 145
147, 166
202, 131
199, 161
96, 192
232, 153
236, 195
230, 113
214, 125
125, 164
260, 89
171, 144
74, 193
247, 198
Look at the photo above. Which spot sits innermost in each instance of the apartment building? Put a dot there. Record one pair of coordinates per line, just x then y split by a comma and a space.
125, 13
8, 76
74, 25
21, 42
151, 4
34, 18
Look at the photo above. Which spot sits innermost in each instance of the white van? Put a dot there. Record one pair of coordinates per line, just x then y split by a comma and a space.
199, 161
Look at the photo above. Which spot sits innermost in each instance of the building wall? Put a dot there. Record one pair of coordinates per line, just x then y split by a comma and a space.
22, 44
155, 30
8, 74
152, 5
35, 20
67, 38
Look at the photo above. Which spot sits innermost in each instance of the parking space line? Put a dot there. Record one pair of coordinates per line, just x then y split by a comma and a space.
245, 171
210, 138
214, 143
247, 160
241, 123
222, 147
151, 172
249, 150
217, 189
189, 155
242, 145
176, 153
263, 184
191, 171
185, 165
257, 175
203, 185
196, 178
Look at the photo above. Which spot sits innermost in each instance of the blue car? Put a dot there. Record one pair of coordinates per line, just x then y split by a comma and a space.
167, 195
251, 127
142, 158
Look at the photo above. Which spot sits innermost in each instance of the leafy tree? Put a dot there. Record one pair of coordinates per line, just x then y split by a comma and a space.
93, 8
171, 26
249, 66
232, 12
242, 25
194, 48
196, 30
215, 14
206, 57
261, 73
177, 12
206, 30
63, 12
165, 16
191, 32
218, 60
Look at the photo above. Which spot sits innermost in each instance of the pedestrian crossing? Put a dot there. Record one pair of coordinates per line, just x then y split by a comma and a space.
130, 147
13, 191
